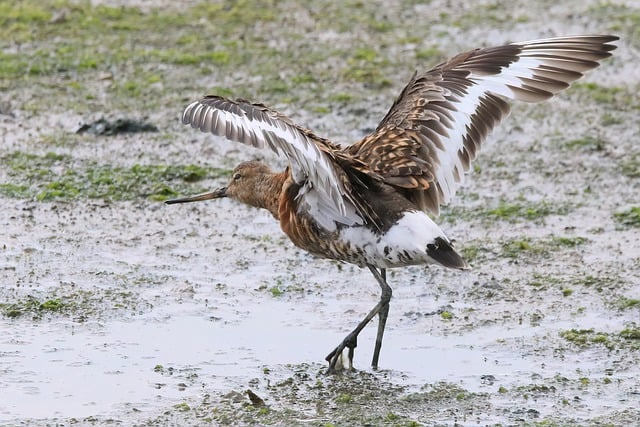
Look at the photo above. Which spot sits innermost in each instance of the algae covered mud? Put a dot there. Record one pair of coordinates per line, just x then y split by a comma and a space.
118, 310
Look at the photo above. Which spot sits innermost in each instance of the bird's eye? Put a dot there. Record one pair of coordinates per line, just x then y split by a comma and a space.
236, 176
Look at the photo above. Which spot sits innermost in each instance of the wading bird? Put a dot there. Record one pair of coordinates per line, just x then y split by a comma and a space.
369, 203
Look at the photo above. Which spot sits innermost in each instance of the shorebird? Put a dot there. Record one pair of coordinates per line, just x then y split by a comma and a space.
370, 203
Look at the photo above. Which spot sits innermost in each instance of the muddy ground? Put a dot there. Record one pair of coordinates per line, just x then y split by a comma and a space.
116, 309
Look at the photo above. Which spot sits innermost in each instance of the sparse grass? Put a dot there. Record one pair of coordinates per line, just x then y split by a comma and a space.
77, 42
281, 287
582, 337
178, 57
627, 338
342, 98
619, 97
61, 177
430, 54
585, 143
80, 33
527, 246
631, 333
619, 18
624, 303
470, 251
15, 191
569, 242
446, 315
344, 398
33, 306
535, 389
630, 217
86, 40
597, 92
367, 69
517, 210
182, 407
490, 15
602, 283
611, 120
512, 211
631, 165
210, 39
276, 291
518, 247
69, 300
442, 391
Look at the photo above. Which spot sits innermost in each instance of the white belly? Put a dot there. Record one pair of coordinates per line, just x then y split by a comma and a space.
405, 243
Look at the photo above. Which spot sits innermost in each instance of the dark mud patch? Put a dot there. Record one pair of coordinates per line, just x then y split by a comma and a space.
304, 395
107, 127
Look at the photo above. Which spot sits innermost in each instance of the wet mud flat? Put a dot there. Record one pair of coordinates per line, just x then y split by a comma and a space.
118, 310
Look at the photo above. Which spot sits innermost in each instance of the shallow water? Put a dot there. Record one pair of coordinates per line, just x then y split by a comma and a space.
177, 351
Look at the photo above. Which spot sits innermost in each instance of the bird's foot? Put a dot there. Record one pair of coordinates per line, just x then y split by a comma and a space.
336, 358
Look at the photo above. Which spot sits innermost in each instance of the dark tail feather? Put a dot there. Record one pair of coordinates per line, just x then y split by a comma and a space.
443, 252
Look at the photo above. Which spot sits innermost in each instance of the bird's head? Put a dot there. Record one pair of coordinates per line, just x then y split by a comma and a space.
246, 185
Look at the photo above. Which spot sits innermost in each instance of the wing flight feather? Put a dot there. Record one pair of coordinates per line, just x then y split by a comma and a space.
443, 116
311, 158
427, 139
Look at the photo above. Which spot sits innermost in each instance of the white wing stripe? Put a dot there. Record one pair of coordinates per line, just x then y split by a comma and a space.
310, 167
542, 69
450, 162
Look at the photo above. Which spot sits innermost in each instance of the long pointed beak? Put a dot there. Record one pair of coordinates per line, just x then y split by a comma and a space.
215, 194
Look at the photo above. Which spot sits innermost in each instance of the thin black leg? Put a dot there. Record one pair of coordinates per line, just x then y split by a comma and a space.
382, 314
351, 340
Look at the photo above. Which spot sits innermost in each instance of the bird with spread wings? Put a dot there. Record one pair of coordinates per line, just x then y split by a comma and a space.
370, 203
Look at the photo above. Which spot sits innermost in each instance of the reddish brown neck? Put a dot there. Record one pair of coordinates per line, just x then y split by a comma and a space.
266, 192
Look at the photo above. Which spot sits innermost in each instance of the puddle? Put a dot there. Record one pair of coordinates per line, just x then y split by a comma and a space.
175, 353
47, 366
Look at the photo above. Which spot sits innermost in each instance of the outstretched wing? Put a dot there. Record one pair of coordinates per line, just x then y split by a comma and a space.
435, 128
312, 162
